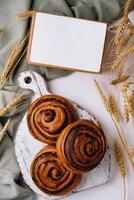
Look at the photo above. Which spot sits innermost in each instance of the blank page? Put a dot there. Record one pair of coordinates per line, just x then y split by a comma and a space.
64, 42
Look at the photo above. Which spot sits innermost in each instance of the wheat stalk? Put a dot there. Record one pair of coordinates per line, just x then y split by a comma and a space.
123, 142
4, 129
124, 24
123, 33
119, 159
13, 60
116, 123
114, 108
126, 8
17, 102
104, 100
130, 25
131, 104
116, 114
26, 14
126, 110
119, 79
118, 65
124, 41
125, 87
132, 152
128, 101
119, 32
122, 56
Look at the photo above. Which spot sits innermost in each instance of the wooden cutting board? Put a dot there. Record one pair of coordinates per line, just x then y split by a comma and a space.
26, 147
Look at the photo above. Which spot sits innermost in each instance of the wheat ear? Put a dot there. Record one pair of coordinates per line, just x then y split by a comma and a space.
131, 104
130, 25
119, 158
103, 98
114, 108
126, 102
122, 56
132, 152
4, 129
123, 141
119, 32
26, 14
108, 108
13, 60
123, 33
119, 79
121, 27
16, 102
126, 8
124, 41
128, 99
116, 114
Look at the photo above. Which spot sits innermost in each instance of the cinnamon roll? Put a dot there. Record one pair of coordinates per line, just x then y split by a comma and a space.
81, 146
50, 175
48, 116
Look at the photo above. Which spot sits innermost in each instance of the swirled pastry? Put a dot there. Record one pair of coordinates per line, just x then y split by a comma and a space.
81, 146
50, 175
48, 116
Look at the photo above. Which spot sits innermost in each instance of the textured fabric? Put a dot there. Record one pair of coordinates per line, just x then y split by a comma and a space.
11, 184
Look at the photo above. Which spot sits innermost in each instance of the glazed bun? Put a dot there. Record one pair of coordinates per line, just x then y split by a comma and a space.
81, 146
47, 117
50, 175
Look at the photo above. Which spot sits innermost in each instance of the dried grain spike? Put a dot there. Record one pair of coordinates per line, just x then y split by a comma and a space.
13, 59
114, 108
126, 101
4, 129
17, 102
119, 60
124, 41
131, 104
119, 79
104, 100
119, 32
126, 8
26, 14
119, 159
132, 152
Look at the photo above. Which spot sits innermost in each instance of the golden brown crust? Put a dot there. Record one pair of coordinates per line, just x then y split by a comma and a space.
81, 146
50, 175
48, 115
